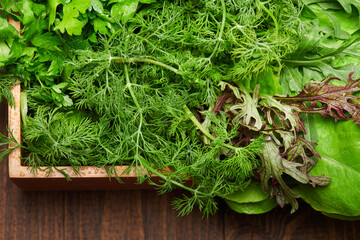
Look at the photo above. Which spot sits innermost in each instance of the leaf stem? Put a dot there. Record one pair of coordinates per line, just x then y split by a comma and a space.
128, 84
163, 176
271, 15
327, 56
221, 28
145, 60
7, 75
203, 130
305, 62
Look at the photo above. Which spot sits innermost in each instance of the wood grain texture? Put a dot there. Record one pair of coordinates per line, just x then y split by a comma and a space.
3, 173
143, 214
118, 204
83, 213
163, 222
27, 215
280, 224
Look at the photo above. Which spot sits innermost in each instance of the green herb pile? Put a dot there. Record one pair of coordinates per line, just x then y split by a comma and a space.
226, 94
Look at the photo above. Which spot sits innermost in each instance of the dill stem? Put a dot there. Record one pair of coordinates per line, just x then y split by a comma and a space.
304, 62
271, 15
163, 176
203, 130
145, 60
221, 28
129, 86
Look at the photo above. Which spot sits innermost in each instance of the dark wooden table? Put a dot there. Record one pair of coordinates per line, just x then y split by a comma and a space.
143, 214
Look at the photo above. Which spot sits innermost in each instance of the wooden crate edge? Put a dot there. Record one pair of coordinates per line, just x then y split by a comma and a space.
24, 178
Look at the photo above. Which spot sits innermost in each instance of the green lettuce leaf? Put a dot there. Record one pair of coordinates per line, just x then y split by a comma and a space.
339, 146
342, 217
251, 200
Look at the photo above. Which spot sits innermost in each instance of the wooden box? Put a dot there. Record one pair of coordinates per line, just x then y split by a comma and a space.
90, 178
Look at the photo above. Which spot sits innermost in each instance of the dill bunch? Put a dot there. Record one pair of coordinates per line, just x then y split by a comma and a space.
57, 138
125, 99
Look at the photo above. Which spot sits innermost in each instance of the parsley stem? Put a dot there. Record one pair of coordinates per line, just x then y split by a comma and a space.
145, 60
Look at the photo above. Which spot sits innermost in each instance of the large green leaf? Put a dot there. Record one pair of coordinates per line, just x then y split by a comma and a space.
7, 31
252, 200
339, 146
269, 82
342, 217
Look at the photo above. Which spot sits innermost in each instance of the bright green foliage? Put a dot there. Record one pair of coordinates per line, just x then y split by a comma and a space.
347, 5
10, 46
5, 90
136, 82
58, 138
331, 49
252, 193
51, 10
135, 86
339, 145
148, 127
285, 151
70, 21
